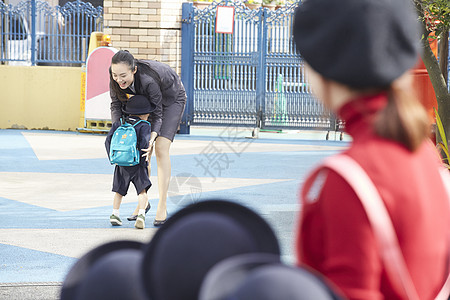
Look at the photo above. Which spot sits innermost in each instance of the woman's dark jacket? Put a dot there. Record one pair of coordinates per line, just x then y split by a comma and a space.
161, 87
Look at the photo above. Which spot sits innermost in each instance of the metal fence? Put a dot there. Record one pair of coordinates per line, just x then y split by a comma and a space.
250, 77
34, 33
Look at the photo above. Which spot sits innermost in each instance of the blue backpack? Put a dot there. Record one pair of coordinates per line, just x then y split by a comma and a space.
123, 150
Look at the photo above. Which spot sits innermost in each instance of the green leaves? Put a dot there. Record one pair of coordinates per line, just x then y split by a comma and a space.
436, 15
440, 128
443, 146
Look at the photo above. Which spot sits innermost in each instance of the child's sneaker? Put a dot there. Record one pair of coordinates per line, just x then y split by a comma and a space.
115, 220
140, 222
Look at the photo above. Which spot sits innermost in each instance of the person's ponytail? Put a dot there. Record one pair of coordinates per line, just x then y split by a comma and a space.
404, 119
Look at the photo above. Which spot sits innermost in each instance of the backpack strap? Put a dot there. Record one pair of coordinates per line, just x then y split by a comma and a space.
381, 223
140, 122
124, 121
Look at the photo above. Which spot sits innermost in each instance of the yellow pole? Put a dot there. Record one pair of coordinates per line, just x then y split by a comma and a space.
82, 96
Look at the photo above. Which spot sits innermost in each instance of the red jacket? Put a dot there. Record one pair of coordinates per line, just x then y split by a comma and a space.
335, 237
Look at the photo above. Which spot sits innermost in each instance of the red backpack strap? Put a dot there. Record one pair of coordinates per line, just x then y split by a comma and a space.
381, 223
313, 185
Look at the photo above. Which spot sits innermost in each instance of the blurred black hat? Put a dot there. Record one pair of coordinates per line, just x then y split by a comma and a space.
138, 105
114, 276
250, 277
223, 279
196, 238
360, 43
109, 271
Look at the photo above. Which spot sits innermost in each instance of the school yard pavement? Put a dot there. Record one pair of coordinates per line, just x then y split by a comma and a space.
55, 193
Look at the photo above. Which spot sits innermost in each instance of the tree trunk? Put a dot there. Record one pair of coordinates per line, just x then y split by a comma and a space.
439, 85
443, 54
436, 77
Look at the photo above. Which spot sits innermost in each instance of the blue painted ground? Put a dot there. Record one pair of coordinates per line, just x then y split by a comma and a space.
276, 202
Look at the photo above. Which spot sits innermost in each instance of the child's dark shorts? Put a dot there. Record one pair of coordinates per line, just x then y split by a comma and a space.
123, 176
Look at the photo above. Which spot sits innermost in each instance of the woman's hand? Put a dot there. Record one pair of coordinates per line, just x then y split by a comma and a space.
149, 150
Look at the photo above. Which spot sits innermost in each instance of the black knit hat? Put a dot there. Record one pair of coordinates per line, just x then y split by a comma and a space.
360, 43
138, 105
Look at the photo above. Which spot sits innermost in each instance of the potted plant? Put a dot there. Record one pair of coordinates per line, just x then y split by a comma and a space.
201, 4
290, 2
252, 4
270, 4
280, 4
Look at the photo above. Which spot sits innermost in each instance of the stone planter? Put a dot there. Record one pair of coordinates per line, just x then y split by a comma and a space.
270, 6
201, 4
253, 5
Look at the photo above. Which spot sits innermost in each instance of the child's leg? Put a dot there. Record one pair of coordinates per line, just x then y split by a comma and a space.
147, 206
136, 211
115, 218
142, 202
117, 201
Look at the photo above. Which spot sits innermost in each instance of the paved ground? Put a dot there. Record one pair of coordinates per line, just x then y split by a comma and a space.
55, 197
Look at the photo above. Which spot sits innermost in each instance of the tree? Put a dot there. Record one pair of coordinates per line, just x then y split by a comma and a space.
435, 17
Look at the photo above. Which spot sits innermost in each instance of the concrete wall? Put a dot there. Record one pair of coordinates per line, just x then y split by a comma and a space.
40, 97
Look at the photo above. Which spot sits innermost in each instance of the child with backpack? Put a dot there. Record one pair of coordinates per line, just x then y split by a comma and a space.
123, 145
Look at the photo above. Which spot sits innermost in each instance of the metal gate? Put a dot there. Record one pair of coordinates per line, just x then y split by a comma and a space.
251, 77
35, 33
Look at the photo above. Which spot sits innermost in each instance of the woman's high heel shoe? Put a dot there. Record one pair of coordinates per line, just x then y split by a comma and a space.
134, 217
158, 223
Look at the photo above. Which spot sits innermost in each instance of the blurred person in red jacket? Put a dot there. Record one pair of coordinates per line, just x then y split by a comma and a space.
357, 55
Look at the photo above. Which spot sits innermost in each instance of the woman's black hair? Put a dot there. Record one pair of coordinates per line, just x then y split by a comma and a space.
121, 57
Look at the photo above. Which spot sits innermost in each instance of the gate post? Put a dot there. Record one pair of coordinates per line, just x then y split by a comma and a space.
261, 74
33, 32
187, 65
